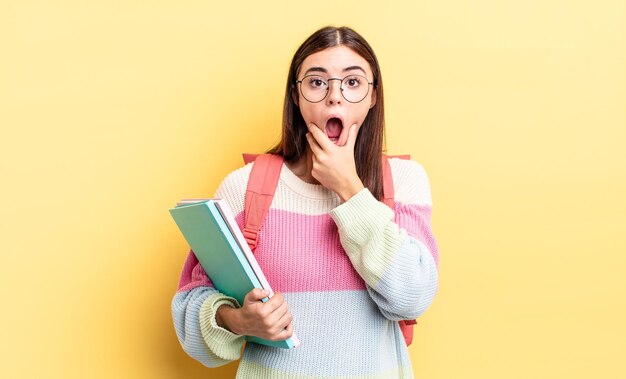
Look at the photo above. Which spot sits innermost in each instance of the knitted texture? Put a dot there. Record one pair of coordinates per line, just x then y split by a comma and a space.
349, 271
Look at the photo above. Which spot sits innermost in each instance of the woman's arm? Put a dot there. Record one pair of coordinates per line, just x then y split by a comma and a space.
397, 259
194, 309
210, 325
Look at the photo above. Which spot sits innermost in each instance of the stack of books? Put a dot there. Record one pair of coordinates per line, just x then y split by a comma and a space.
210, 228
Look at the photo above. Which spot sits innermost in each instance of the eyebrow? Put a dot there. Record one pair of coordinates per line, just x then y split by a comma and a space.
322, 69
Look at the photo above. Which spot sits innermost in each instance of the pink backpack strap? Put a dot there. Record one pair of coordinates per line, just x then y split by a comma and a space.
388, 191
401, 156
260, 193
406, 326
247, 158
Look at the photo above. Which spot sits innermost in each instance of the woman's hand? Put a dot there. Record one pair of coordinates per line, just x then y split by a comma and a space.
270, 320
334, 166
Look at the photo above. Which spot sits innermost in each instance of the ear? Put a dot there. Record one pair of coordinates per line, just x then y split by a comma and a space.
294, 95
373, 98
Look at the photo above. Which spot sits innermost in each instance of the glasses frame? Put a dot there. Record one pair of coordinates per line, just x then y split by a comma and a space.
340, 87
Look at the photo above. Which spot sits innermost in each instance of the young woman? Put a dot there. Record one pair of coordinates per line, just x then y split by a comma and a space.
345, 267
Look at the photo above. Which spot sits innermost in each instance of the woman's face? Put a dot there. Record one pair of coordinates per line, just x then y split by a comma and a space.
334, 114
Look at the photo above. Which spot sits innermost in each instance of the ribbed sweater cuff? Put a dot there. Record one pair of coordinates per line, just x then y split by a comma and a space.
222, 342
361, 216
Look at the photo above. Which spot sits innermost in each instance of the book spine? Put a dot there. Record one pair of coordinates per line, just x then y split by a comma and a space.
224, 209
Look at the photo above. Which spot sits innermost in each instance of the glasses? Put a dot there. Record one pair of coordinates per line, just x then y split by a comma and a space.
315, 88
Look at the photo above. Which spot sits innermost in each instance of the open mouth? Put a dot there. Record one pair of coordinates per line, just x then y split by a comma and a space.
333, 129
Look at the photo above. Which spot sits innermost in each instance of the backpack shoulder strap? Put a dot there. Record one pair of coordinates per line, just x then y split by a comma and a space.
406, 326
259, 194
247, 158
388, 191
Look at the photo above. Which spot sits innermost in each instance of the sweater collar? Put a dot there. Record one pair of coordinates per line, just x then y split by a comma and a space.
314, 191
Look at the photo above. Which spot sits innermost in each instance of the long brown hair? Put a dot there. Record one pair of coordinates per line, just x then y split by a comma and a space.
368, 148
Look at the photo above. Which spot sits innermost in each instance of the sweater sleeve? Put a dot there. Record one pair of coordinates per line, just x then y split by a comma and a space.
398, 267
193, 309
196, 301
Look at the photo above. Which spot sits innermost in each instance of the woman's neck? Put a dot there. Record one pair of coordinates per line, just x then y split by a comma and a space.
303, 167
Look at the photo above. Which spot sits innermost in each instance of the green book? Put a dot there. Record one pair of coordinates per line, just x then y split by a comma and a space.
210, 228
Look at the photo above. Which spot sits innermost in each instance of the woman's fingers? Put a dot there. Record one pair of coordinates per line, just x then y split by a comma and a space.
278, 320
283, 334
275, 302
256, 295
280, 312
285, 319
352, 133
315, 147
320, 137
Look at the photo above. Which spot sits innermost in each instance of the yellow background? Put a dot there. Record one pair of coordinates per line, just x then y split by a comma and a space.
111, 111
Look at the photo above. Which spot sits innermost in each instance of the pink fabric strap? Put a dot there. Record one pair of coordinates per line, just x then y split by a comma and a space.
247, 158
406, 326
259, 194
388, 192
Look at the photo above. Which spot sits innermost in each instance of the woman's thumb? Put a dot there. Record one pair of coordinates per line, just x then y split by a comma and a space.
352, 133
257, 294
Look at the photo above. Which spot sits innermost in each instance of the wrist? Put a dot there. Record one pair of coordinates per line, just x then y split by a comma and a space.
226, 317
350, 189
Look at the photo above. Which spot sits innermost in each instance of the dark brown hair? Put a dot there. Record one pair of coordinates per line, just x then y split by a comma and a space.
368, 148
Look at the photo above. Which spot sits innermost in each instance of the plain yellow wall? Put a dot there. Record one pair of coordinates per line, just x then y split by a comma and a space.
110, 111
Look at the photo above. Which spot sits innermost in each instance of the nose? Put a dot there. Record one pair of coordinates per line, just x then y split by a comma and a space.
334, 91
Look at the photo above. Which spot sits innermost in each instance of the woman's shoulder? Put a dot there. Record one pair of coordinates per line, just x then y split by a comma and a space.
410, 182
233, 188
238, 177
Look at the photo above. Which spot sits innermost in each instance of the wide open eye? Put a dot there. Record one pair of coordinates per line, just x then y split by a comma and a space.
315, 82
354, 81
